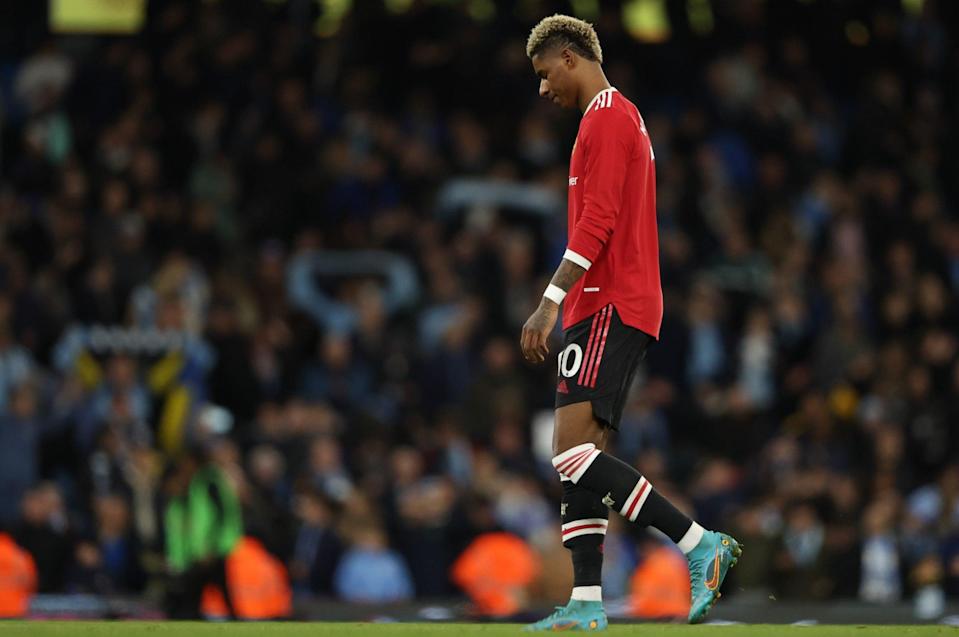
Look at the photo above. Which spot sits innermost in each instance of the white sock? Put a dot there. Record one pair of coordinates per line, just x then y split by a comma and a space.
691, 539
587, 593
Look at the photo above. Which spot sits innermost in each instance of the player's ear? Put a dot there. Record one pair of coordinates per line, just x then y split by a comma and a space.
569, 59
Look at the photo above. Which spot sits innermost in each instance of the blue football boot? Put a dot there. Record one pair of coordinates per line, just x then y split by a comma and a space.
709, 562
576, 615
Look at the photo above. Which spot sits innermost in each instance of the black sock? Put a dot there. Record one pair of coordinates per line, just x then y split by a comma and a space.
584, 519
623, 489
659, 513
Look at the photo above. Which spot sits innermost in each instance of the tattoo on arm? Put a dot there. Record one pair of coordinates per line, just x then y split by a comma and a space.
567, 274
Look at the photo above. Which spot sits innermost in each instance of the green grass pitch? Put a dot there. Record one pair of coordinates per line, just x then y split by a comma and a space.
189, 629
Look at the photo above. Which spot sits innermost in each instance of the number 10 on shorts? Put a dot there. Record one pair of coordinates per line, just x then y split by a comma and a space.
567, 367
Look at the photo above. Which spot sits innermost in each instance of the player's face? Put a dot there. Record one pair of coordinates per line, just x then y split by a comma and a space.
555, 78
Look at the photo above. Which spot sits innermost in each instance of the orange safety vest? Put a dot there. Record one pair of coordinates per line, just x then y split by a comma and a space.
495, 571
259, 585
18, 578
660, 586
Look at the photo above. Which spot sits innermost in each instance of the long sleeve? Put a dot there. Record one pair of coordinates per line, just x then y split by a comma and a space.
608, 149
611, 217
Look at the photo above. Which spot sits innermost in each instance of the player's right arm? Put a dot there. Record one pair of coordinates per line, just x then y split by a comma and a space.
609, 149
535, 335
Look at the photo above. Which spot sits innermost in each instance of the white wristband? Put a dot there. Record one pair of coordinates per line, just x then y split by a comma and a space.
578, 259
555, 293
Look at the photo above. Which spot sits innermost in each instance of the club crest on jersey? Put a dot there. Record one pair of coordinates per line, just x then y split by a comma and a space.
608, 500
573, 180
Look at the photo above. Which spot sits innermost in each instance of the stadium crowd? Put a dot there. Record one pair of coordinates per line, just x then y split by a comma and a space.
346, 347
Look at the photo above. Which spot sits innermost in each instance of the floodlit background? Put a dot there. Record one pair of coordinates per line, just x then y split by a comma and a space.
303, 237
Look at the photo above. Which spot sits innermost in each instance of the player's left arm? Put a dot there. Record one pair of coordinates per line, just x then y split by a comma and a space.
610, 140
608, 152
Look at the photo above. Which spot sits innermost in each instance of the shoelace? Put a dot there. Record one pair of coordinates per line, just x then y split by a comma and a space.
696, 573
554, 616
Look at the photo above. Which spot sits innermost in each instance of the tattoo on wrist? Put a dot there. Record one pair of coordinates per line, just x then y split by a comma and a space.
567, 274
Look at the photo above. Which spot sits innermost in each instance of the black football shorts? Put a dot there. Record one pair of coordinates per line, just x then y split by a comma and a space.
599, 358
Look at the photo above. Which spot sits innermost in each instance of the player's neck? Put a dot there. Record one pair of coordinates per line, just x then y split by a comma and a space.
591, 88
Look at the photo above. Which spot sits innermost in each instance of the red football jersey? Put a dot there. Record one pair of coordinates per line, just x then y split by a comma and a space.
612, 216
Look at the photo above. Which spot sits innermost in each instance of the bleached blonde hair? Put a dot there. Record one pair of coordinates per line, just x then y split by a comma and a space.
565, 31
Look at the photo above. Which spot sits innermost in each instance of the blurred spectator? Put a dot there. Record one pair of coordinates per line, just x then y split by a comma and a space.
21, 429
203, 525
44, 531
881, 580
496, 571
18, 579
121, 402
267, 501
801, 560
258, 586
110, 561
369, 571
317, 548
325, 468
660, 584
422, 520
16, 364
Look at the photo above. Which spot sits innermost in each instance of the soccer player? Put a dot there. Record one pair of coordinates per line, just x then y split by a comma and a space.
608, 283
